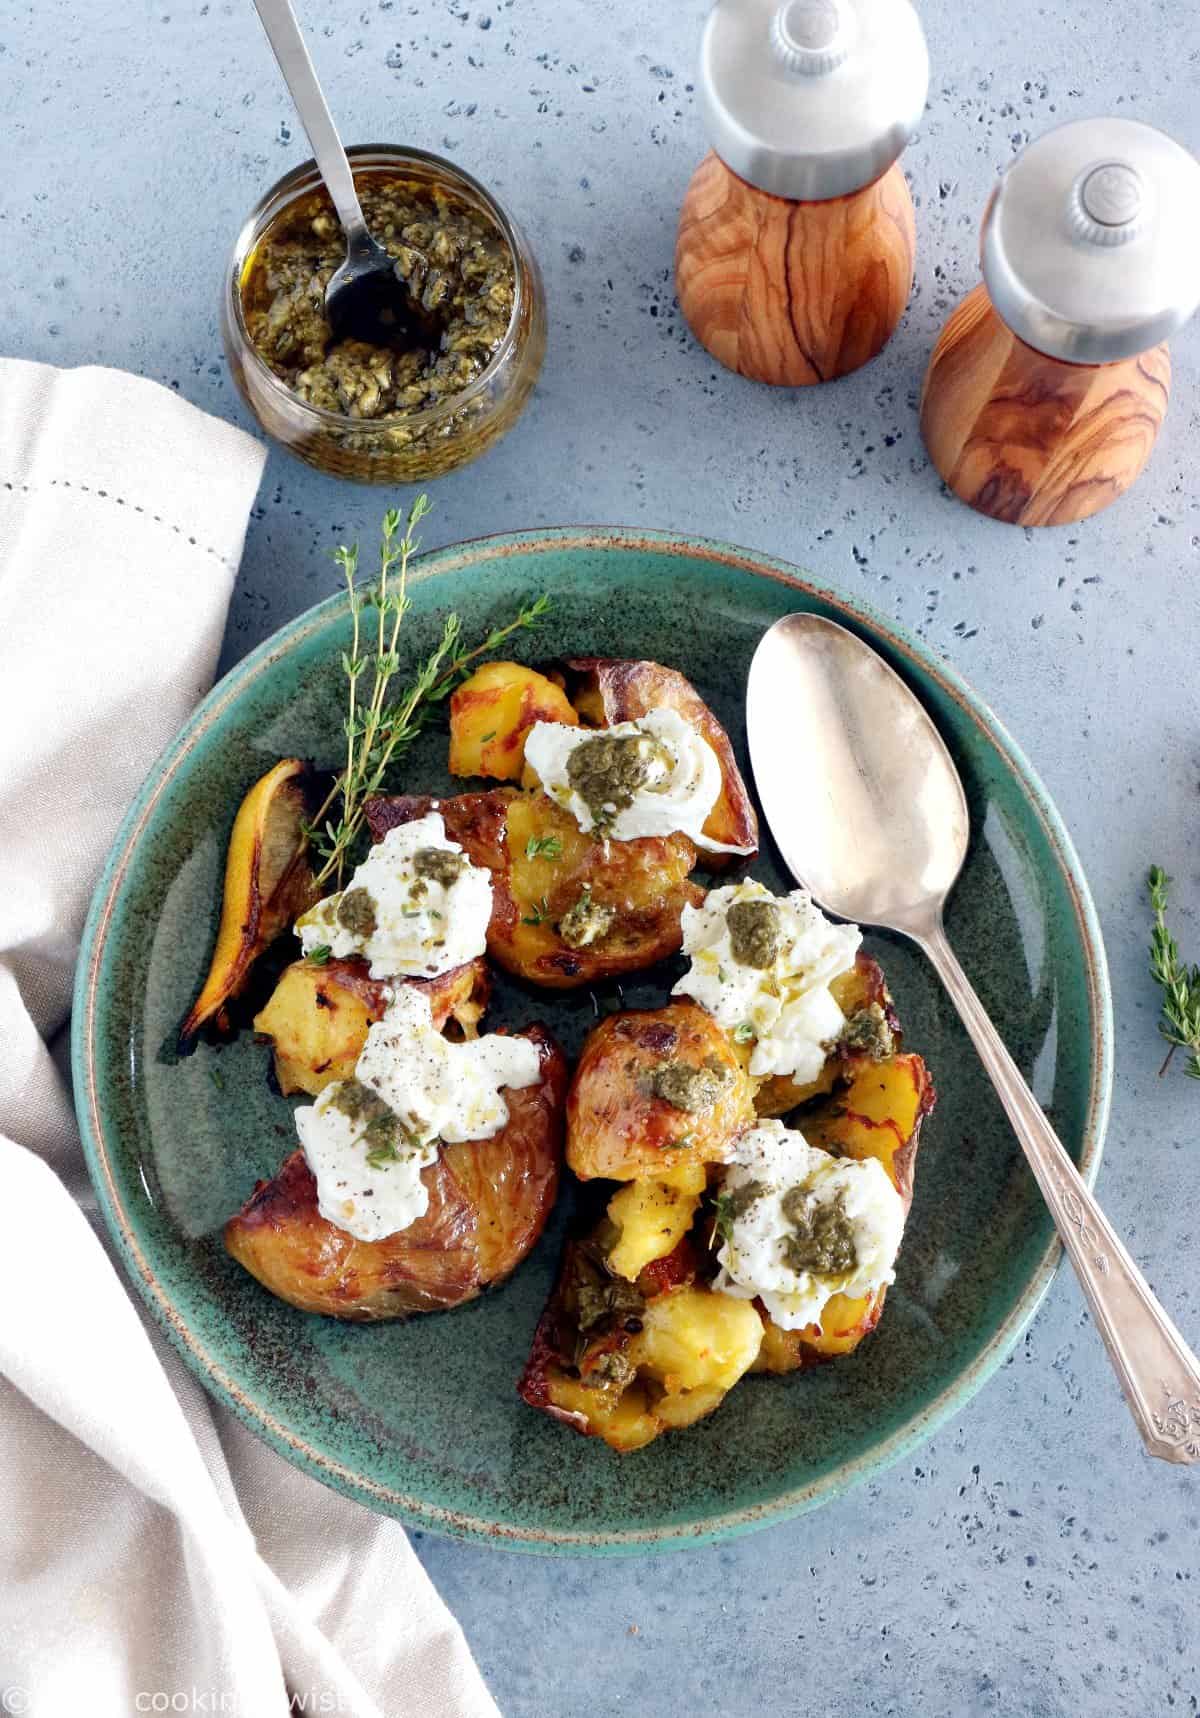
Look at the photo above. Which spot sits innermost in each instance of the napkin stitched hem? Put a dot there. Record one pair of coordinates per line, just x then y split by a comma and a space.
16, 487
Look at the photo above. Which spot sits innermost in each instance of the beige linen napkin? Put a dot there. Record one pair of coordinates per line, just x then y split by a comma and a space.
154, 1556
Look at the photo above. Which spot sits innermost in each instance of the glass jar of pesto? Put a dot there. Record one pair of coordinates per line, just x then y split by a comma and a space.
366, 413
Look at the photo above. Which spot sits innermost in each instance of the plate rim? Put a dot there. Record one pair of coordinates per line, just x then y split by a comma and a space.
211, 1371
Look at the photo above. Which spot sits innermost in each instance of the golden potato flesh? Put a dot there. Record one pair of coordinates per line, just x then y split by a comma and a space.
879, 1114
543, 866
621, 1127
845, 1320
693, 1347
488, 1203
317, 1017
652, 1217
493, 711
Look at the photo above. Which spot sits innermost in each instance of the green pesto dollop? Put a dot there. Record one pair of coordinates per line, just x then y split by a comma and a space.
440, 864
607, 772
601, 1306
822, 1237
755, 932
385, 1137
356, 913
740, 1198
388, 1140
687, 1088
586, 922
356, 1101
611, 1369
867, 1033
600, 1300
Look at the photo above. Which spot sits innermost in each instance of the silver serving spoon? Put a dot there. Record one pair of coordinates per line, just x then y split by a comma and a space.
867, 809
366, 299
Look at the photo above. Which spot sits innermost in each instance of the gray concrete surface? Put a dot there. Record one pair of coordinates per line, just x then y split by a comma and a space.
1029, 1561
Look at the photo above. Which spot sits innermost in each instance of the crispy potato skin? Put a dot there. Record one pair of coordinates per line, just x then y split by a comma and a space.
620, 1131
488, 1203
493, 711
645, 882
317, 1017
879, 1114
605, 691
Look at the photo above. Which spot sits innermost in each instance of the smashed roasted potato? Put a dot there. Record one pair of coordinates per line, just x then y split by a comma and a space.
488, 1202
545, 869
606, 691
492, 712
872, 1032
878, 1114
655, 1090
626, 1362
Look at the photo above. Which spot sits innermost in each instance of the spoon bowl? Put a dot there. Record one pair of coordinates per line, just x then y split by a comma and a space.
869, 814
368, 300
863, 799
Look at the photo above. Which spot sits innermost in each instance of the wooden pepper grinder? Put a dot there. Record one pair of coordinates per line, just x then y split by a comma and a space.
796, 241
1047, 387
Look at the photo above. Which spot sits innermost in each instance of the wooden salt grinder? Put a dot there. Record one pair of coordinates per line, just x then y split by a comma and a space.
796, 243
1048, 385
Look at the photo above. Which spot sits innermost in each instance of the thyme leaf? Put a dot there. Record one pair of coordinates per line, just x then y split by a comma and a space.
543, 847
728, 1207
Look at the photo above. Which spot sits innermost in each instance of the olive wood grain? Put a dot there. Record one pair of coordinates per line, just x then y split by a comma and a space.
793, 293
1033, 440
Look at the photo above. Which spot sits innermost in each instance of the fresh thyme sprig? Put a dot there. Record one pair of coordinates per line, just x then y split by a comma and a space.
1180, 1021
460, 664
377, 731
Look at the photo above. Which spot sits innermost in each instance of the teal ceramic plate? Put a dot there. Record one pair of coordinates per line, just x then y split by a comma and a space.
422, 1420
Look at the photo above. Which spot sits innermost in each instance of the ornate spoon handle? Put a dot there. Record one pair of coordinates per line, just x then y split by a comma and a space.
1158, 1372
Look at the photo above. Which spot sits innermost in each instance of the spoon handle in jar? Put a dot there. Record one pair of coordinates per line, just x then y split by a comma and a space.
284, 35
1159, 1374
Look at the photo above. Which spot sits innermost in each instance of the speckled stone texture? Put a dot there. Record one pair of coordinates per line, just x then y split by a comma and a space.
1030, 1561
